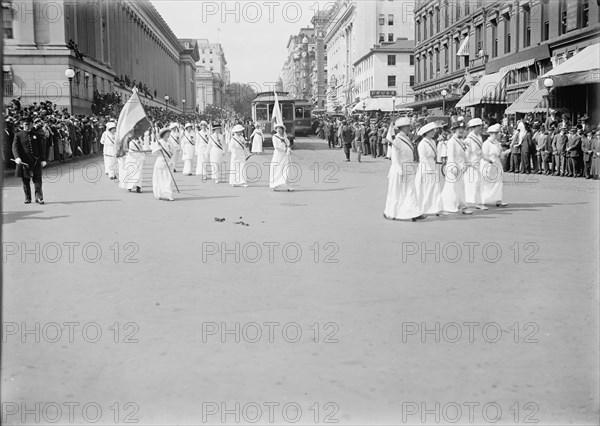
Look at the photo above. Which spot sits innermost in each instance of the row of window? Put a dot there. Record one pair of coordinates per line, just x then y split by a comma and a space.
390, 19
391, 60
424, 26
389, 38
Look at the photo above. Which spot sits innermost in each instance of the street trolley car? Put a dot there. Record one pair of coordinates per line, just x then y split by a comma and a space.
303, 117
262, 111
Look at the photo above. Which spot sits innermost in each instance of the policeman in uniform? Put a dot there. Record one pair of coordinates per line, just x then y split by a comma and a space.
29, 151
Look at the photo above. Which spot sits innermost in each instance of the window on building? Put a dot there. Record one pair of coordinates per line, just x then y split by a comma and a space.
437, 20
391, 81
562, 16
211, 61
418, 28
418, 69
411, 81
381, 37
545, 20
382, 19
478, 39
494, 25
203, 60
507, 37
424, 27
7, 19
431, 24
456, 47
437, 61
390, 19
8, 83
526, 26
392, 60
457, 10
584, 19
424, 68
411, 59
431, 66
446, 15
391, 37
467, 7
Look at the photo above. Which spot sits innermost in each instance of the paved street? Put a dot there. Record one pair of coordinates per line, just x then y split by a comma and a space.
319, 310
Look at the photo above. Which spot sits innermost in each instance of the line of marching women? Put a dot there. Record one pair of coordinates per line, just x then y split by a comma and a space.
430, 179
201, 148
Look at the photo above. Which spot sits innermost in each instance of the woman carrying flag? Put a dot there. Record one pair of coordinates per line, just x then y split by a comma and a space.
162, 179
280, 163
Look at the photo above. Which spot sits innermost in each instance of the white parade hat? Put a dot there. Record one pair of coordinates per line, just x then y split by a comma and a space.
203, 123
237, 128
163, 131
494, 128
173, 126
187, 125
427, 128
280, 125
402, 122
110, 125
475, 122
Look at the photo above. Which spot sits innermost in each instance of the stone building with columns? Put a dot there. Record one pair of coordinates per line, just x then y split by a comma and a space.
110, 46
485, 54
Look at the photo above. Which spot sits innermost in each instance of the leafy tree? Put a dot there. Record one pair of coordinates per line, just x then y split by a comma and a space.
239, 97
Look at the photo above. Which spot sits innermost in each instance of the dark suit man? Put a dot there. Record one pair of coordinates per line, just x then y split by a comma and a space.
586, 147
330, 135
559, 143
527, 152
515, 153
29, 150
572, 148
347, 139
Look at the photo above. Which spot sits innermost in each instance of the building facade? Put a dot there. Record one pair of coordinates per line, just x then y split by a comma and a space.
353, 28
212, 75
387, 67
298, 66
121, 43
319, 71
459, 42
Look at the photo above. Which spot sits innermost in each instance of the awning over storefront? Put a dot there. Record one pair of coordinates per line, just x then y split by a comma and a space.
490, 89
518, 65
381, 104
582, 68
532, 100
463, 50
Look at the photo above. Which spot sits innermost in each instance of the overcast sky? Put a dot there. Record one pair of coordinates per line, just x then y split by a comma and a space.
253, 34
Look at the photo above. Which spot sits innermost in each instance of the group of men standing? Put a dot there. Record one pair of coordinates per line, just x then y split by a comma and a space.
441, 177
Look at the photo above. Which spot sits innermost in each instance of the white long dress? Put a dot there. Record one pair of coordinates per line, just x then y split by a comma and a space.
202, 152
122, 173
491, 173
473, 174
427, 181
174, 142
280, 163
453, 194
216, 156
401, 202
238, 161
162, 184
257, 141
188, 149
134, 165
108, 142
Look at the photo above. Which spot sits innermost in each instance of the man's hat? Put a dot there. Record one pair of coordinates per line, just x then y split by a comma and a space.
573, 129
456, 122
26, 119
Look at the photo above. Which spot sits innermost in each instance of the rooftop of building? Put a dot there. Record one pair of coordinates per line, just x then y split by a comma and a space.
401, 45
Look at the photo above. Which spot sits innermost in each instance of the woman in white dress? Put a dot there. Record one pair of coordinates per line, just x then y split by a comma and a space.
237, 147
188, 148
453, 193
491, 169
108, 143
280, 164
202, 149
162, 182
401, 202
428, 178
257, 139
217, 153
134, 165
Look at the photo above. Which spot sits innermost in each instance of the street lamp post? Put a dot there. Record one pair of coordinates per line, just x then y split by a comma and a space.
166, 106
444, 94
393, 105
183, 101
548, 83
69, 73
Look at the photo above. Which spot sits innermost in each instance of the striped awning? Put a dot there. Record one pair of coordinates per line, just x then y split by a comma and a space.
490, 89
463, 50
518, 65
532, 100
